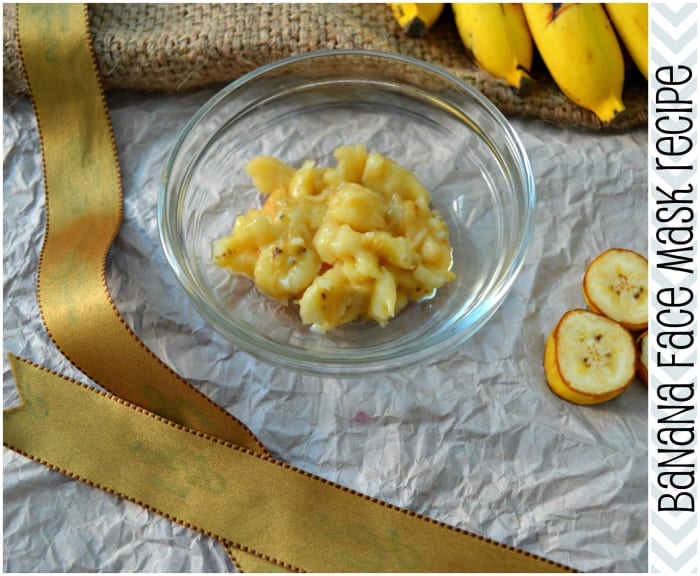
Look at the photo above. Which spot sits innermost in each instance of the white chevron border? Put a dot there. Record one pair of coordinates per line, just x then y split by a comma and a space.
673, 534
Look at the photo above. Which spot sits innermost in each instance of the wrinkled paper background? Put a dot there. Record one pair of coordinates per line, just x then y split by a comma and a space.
476, 440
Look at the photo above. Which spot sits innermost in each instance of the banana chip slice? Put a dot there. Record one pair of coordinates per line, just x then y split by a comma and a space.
589, 358
642, 358
616, 285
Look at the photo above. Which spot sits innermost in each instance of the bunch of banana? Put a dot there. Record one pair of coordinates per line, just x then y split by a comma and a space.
581, 44
498, 38
416, 18
591, 356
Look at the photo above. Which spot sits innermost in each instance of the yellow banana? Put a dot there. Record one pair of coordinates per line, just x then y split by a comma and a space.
581, 51
416, 18
631, 20
498, 38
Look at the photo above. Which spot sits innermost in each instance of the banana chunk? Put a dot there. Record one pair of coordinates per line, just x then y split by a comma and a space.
616, 285
642, 357
589, 358
355, 242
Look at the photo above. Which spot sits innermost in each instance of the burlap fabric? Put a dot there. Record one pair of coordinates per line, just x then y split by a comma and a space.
178, 47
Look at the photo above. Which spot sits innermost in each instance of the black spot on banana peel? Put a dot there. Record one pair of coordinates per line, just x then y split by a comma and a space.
416, 28
557, 9
526, 83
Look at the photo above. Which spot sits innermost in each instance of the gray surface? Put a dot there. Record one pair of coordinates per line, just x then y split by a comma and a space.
476, 440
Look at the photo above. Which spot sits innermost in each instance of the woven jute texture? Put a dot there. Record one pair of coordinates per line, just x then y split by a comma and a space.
175, 47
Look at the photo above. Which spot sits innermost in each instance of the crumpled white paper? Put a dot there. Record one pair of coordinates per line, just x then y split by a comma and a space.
476, 440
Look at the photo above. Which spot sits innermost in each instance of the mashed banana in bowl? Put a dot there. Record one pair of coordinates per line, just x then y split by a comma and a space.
358, 241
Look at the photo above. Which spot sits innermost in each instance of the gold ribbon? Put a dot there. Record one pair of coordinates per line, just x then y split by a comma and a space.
83, 193
157, 440
252, 501
84, 210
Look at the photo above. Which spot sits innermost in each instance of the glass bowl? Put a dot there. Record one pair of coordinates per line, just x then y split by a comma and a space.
446, 132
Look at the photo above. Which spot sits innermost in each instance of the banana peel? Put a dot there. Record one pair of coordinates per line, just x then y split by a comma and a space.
631, 22
498, 38
642, 357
